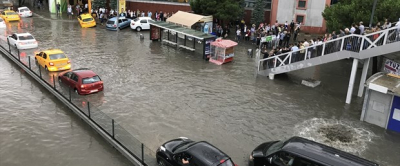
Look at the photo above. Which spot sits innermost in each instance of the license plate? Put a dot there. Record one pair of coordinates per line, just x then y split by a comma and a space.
60, 68
94, 90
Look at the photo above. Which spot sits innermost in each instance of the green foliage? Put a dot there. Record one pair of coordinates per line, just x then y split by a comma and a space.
113, 4
346, 12
98, 4
221, 9
258, 12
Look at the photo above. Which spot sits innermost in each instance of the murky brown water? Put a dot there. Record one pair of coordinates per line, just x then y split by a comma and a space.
159, 93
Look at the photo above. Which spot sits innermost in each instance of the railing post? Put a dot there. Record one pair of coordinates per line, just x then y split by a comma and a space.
275, 61
290, 57
142, 153
323, 49
341, 46
69, 89
306, 54
40, 72
9, 47
88, 108
19, 58
29, 62
386, 36
362, 43
113, 128
54, 82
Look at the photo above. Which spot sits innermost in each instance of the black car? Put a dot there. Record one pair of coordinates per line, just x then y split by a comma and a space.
178, 151
298, 151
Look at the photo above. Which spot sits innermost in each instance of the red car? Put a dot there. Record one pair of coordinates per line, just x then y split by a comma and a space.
83, 81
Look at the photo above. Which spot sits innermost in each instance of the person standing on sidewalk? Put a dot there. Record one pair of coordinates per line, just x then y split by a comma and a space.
69, 11
58, 8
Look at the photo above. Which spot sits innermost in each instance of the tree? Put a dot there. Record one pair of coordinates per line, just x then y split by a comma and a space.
113, 4
346, 12
221, 9
258, 12
98, 4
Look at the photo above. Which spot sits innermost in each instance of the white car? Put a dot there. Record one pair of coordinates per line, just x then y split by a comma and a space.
24, 12
2, 23
22, 41
140, 23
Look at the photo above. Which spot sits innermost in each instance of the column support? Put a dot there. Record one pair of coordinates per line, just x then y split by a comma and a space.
351, 82
363, 77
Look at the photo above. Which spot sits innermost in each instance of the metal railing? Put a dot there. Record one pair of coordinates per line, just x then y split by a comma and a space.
353, 43
106, 126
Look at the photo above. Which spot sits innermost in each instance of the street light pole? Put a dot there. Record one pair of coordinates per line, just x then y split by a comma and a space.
117, 15
372, 14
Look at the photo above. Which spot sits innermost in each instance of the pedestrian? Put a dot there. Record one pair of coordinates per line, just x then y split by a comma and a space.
58, 8
149, 14
292, 27
238, 32
295, 53
69, 12
161, 16
101, 18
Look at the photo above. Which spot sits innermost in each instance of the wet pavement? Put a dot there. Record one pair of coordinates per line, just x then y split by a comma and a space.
158, 93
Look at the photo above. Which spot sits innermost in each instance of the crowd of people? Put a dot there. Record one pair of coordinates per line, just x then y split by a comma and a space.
282, 35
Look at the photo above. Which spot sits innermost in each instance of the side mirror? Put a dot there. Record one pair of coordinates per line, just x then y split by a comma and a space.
270, 160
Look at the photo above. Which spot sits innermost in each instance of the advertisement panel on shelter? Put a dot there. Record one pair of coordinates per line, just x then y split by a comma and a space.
392, 67
122, 6
207, 48
155, 32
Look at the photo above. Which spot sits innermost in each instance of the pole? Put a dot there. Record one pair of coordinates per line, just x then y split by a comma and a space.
372, 14
29, 62
142, 153
351, 82
19, 58
8, 42
69, 89
118, 15
40, 72
113, 131
54, 82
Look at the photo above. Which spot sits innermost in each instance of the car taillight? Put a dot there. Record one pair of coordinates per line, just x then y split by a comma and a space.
114, 25
51, 64
69, 62
133, 23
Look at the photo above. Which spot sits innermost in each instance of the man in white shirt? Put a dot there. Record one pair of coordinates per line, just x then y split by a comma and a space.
352, 29
295, 53
361, 27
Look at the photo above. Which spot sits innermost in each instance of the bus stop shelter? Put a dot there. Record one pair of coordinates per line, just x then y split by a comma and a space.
182, 37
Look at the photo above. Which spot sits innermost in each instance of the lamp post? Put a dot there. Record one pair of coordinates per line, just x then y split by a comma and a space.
374, 59
117, 15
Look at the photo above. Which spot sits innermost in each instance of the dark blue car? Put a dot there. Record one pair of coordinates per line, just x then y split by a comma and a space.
122, 23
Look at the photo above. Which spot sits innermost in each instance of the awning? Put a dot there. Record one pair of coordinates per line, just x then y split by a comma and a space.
184, 18
182, 30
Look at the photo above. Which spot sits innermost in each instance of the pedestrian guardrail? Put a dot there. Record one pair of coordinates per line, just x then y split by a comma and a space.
361, 45
106, 126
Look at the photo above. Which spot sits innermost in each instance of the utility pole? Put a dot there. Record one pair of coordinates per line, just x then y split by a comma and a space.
374, 59
117, 15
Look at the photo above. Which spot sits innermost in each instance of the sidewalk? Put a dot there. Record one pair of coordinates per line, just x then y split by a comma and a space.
45, 13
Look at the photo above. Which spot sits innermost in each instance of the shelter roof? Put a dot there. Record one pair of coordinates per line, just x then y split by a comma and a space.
182, 30
184, 18
384, 83
224, 43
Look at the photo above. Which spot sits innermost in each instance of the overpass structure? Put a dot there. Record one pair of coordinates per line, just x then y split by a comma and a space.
358, 47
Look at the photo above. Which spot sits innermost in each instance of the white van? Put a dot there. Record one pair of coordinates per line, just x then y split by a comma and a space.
140, 23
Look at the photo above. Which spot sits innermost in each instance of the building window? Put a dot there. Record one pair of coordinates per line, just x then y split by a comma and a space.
300, 18
302, 4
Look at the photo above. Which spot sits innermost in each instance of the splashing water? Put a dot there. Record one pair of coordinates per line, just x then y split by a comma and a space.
338, 134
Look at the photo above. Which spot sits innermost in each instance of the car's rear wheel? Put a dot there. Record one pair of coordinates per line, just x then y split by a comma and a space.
138, 29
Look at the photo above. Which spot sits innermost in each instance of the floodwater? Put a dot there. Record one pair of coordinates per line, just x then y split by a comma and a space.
158, 93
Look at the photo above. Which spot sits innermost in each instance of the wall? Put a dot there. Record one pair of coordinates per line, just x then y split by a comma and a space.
157, 6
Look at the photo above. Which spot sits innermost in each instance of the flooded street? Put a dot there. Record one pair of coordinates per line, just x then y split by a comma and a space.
158, 93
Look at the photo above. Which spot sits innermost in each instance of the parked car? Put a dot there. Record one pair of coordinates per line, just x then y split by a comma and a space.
22, 40
2, 23
178, 151
83, 81
300, 151
53, 60
86, 21
9, 15
24, 12
141, 23
122, 23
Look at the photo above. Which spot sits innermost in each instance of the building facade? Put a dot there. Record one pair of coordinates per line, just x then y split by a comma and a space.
308, 12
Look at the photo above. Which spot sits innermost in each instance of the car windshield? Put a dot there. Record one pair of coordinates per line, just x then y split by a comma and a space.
227, 163
110, 22
88, 19
275, 147
57, 56
136, 19
11, 13
26, 37
183, 145
91, 80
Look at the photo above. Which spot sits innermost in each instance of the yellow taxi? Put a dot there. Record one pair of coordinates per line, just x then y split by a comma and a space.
86, 21
9, 15
53, 60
